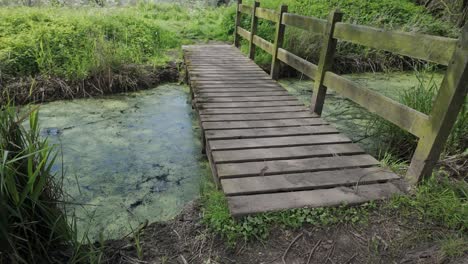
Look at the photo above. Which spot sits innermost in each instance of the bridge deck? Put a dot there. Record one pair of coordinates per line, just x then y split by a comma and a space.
267, 150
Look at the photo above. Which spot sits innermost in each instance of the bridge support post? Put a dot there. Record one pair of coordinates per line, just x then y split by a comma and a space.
238, 19
447, 105
279, 38
253, 30
325, 62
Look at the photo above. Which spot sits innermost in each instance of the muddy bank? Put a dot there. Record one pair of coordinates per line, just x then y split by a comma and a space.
387, 238
126, 78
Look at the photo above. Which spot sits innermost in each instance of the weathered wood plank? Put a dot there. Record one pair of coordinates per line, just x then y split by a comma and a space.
306, 181
229, 78
424, 47
269, 132
243, 93
395, 112
298, 63
299, 152
235, 82
278, 43
311, 24
239, 91
267, 14
245, 9
249, 204
262, 123
263, 44
243, 33
286, 141
239, 85
272, 167
246, 99
253, 30
248, 104
267, 116
251, 110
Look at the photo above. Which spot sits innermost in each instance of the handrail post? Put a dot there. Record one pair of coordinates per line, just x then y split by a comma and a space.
238, 19
325, 62
279, 38
447, 105
253, 30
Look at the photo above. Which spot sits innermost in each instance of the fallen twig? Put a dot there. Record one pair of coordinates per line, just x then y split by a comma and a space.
313, 251
290, 245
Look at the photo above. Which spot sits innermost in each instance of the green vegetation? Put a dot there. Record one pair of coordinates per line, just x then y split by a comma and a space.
217, 217
401, 144
32, 222
395, 14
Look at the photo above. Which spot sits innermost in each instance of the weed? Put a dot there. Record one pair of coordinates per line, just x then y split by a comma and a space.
454, 246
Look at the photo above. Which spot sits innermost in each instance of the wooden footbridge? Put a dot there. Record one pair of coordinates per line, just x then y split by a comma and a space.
269, 152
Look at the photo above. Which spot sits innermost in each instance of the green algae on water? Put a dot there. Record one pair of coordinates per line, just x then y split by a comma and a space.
127, 158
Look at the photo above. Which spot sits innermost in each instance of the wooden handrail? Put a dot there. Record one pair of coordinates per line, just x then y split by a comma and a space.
432, 129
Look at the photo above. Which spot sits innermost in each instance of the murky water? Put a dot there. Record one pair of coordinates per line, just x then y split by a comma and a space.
128, 157
347, 116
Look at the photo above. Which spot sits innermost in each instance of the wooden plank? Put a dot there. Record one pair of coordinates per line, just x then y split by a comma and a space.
244, 93
269, 132
311, 24
234, 82
228, 73
248, 104
325, 62
272, 167
299, 152
245, 9
212, 91
243, 33
306, 181
249, 204
298, 63
393, 111
287, 141
267, 14
245, 99
424, 47
252, 110
263, 44
228, 78
226, 86
267, 116
263, 123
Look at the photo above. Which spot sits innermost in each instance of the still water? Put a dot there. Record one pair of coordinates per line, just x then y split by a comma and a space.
136, 157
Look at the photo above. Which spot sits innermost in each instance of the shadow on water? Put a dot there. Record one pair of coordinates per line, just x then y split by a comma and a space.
130, 157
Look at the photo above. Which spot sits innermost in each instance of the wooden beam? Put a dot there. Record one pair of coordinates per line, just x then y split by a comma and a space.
325, 62
245, 9
298, 63
311, 24
279, 37
447, 105
263, 44
425, 47
391, 110
253, 30
238, 18
267, 14
243, 33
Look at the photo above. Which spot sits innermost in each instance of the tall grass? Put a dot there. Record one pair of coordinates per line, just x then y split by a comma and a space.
401, 144
32, 223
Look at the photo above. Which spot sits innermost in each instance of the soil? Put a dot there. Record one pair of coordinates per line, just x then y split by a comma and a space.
385, 239
126, 78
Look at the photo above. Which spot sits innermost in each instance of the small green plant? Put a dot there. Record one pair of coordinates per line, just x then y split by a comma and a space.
455, 246
217, 217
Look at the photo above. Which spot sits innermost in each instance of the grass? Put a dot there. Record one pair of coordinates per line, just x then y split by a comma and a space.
32, 220
401, 15
401, 144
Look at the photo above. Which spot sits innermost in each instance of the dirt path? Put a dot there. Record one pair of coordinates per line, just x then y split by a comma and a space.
385, 239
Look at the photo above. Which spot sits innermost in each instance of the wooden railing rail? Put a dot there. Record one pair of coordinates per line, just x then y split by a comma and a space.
432, 130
